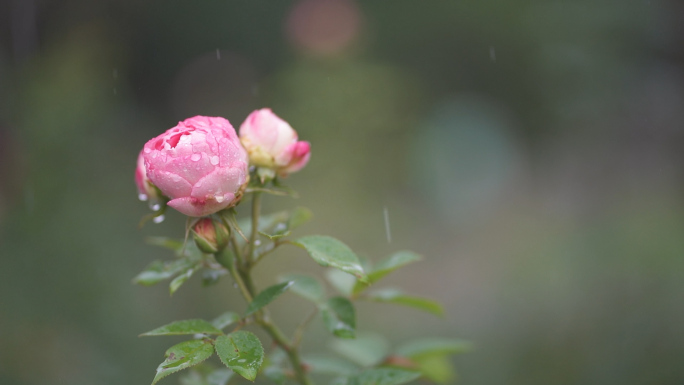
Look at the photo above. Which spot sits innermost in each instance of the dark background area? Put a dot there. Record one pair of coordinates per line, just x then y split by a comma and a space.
531, 150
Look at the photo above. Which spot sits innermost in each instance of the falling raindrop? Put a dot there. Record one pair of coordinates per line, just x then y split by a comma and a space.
155, 206
142, 197
257, 242
158, 219
492, 54
218, 54
388, 233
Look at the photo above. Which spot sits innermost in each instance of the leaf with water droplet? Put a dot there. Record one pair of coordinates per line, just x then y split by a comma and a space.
328, 251
191, 326
183, 356
267, 296
339, 317
242, 352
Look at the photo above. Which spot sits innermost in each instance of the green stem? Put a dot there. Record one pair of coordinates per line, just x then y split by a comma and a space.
242, 276
241, 284
256, 208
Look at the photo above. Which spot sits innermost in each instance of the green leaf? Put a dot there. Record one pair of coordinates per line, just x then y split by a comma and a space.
329, 365
432, 346
267, 296
225, 319
436, 368
191, 326
339, 317
384, 376
158, 271
182, 356
167, 243
180, 280
367, 349
305, 286
398, 297
241, 352
328, 251
386, 266
341, 281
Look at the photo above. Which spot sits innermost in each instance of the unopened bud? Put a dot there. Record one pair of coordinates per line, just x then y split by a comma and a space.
211, 236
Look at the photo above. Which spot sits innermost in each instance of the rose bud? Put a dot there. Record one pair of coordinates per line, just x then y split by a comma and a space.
272, 143
199, 164
211, 236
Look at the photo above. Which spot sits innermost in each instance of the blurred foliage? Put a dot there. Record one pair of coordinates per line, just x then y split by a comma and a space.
530, 150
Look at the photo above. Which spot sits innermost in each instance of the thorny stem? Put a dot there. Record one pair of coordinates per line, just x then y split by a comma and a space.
242, 276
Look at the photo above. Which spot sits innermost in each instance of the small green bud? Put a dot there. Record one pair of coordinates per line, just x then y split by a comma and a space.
211, 236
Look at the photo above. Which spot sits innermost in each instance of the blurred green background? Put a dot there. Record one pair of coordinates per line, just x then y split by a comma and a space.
530, 149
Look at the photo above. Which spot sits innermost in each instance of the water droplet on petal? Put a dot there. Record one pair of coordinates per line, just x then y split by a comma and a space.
214, 160
195, 157
158, 219
142, 197
147, 150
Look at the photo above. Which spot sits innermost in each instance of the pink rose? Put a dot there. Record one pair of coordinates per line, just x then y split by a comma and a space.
272, 143
146, 190
199, 164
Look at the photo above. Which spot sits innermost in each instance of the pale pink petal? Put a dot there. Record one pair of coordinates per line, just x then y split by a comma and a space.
198, 208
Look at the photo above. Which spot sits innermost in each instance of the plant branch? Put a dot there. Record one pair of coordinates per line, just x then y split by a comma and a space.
242, 276
256, 208
266, 251
299, 332
289, 348
241, 284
